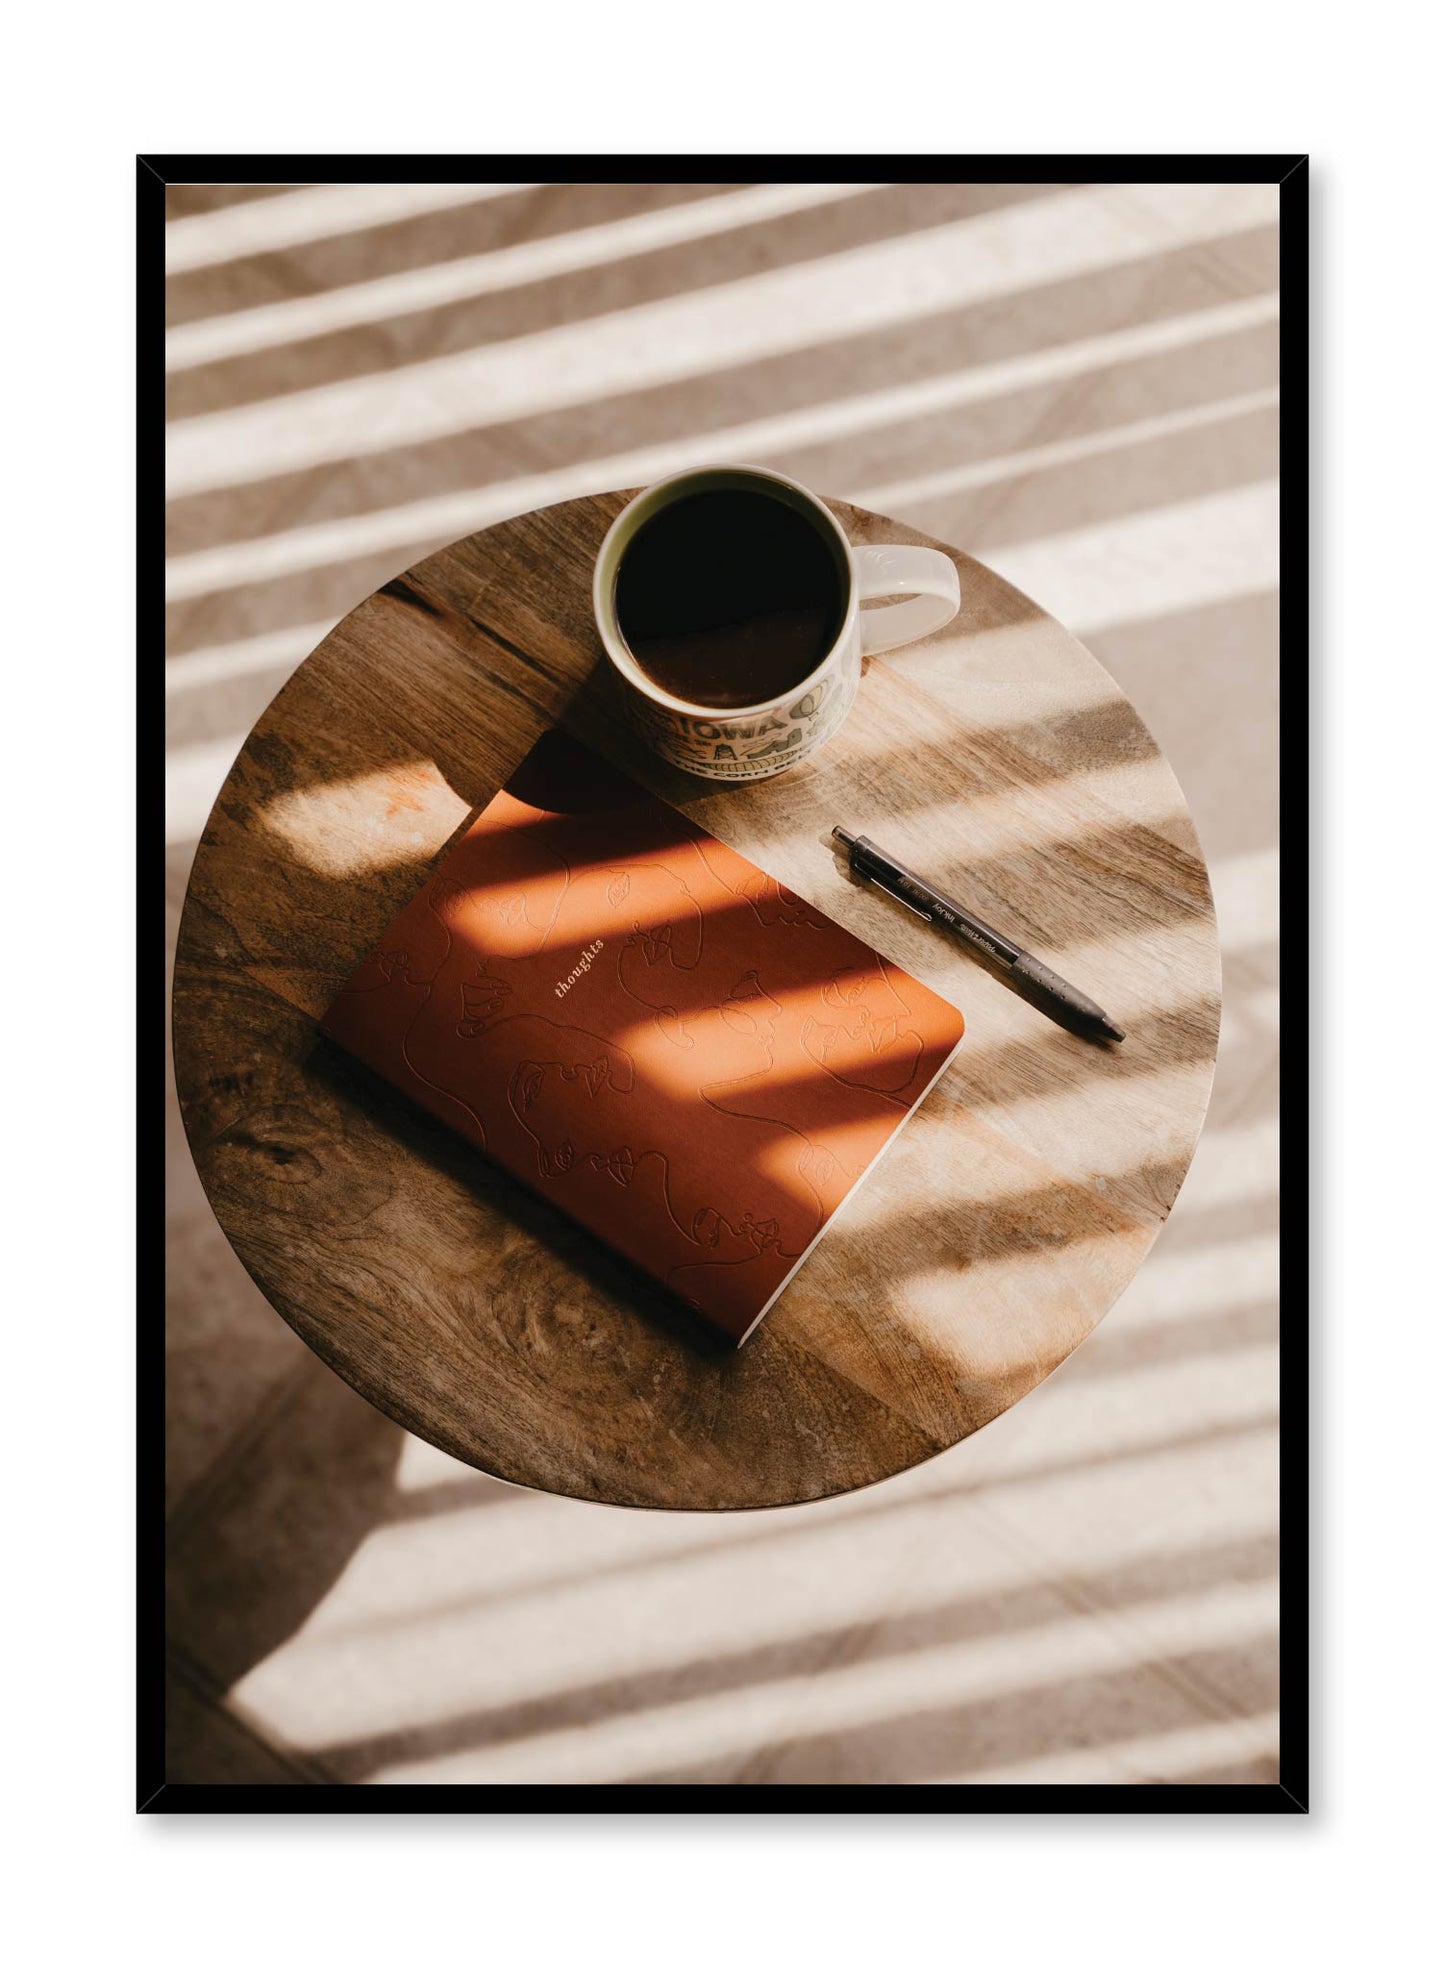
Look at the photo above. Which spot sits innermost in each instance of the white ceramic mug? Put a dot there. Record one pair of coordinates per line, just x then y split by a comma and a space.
755, 741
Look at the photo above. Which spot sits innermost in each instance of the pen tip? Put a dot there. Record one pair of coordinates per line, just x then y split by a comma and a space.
1114, 1032
842, 834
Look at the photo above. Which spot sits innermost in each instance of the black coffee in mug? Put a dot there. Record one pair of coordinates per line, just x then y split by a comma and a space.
729, 597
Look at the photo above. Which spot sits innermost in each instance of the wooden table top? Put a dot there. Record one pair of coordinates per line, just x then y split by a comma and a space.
994, 1235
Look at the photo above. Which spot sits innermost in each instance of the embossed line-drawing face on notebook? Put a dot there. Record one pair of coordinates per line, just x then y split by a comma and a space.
656, 1036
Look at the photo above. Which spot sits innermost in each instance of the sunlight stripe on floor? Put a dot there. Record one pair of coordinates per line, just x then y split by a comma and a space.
518, 1562
1247, 897
1232, 1165
222, 661
450, 515
1182, 1285
899, 494
1086, 1412
195, 774
860, 1695
488, 273
294, 218
746, 320
1177, 557
476, 1642
423, 1466
1263, 1008
1171, 1756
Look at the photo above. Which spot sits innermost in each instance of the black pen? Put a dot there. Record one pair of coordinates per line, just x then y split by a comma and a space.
1051, 993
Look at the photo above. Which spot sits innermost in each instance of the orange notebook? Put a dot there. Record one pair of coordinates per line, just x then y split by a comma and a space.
656, 1036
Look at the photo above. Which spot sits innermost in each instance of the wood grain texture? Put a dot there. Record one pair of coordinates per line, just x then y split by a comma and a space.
992, 1238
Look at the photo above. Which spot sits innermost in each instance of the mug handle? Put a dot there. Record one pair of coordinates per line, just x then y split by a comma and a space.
922, 572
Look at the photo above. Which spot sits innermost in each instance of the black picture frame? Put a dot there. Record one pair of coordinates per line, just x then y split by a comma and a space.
154, 1794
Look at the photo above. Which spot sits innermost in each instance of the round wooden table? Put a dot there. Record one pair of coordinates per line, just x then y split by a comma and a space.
994, 1235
